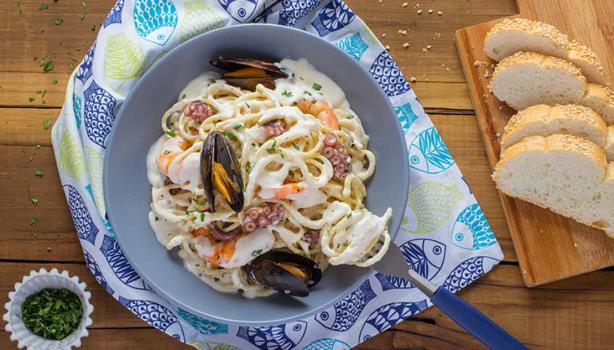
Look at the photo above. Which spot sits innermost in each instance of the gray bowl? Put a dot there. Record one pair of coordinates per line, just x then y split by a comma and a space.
137, 126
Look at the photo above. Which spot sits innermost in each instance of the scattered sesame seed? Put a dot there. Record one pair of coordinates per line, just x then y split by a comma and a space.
428, 47
383, 35
403, 32
419, 12
49, 249
388, 47
439, 13
404, 4
412, 79
424, 49
405, 45
430, 11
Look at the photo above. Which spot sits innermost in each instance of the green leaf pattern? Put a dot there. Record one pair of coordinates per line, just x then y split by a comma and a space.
198, 18
123, 59
70, 156
95, 165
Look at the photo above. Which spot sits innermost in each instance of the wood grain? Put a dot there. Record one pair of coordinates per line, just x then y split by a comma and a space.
549, 246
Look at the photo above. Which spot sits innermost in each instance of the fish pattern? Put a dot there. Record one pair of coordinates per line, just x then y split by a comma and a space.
294, 10
156, 27
429, 154
240, 10
95, 270
430, 204
334, 16
85, 68
156, 315
353, 45
76, 105
406, 116
471, 230
425, 256
280, 337
86, 229
468, 271
388, 75
197, 19
115, 16
346, 311
328, 344
155, 20
203, 326
120, 265
98, 113
387, 316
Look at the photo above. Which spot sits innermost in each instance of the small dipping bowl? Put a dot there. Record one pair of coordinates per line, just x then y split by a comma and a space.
32, 284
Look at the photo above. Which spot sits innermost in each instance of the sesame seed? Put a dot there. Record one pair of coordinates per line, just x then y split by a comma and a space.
388, 47
419, 12
383, 35
404, 4
428, 47
430, 11
405, 45
423, 49
412, 79
439, 13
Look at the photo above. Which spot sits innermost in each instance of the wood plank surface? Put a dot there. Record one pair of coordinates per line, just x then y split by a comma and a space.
549, 246
569, 314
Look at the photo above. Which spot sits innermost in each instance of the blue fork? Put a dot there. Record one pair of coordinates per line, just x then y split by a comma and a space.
465, 315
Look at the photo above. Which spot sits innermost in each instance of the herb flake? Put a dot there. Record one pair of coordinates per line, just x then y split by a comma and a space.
52, 313
171, 133
38, 173
257, 252
316, 87
46, 124
231, 136
43, 6
287, 93
33, 200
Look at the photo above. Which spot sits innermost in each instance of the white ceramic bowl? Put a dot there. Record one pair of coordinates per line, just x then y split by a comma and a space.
32, 284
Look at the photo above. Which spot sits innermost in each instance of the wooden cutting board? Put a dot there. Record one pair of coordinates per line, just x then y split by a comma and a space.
549, 247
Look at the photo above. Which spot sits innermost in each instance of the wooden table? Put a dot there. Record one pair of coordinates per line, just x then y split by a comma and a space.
576, 313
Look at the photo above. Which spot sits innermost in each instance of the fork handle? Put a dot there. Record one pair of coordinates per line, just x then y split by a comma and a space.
474, 322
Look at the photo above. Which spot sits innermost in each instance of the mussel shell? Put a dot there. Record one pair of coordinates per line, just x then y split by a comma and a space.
218, 149
267, 271
274, 70
251, 83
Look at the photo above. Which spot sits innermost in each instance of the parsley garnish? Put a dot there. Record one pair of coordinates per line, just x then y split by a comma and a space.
248, 167
34, 200
58, 21
295, 147
46, 64
230, 135
52, 313
307, 92
287, 93
350, 116
216, 279
46, 124
349, 215
202, 216
83, 15
38, 173
171, 133
33, 221
316, 87
238, 127
31, 99
43, 6
255, 253
54, 82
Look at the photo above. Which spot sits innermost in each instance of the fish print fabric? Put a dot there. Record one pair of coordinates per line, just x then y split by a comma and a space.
444, 236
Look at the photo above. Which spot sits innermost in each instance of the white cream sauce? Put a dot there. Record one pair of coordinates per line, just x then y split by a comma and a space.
306, 77
198, 86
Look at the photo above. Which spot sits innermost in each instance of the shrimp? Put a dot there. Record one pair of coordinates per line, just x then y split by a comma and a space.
172, 148
214, 251
282, 192
321, 110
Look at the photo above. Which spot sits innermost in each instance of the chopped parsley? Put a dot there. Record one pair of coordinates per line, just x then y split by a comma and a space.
316, 87
307, 92
216, 279
239, 127
230, 135
83, 15
253, 144
43, 6
46, 64
34, 200
58, 21
350, 116
33, 221
202, 216
272, 149
38, 173
54, 82
46, 124
255, 253
31, 99
295, 147
286, 93
171, 133
248, 167
52, 313
349, 215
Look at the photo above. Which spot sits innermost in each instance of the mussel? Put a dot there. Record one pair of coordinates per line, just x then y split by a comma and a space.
247, 73
220, 171
284, 272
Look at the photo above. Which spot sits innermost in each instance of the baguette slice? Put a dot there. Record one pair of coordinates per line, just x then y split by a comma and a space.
609, 147
529, 78
564, 173
601, 100
519, 34
544, 120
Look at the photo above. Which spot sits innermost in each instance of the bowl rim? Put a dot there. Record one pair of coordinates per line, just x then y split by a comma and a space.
393, 231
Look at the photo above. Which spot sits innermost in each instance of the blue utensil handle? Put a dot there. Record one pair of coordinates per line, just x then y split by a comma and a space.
474, 322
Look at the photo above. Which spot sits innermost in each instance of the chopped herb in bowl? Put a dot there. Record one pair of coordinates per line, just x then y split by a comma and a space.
52, 313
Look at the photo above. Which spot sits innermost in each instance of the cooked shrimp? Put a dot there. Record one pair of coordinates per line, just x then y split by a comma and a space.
172, 148
321, 110
282, 192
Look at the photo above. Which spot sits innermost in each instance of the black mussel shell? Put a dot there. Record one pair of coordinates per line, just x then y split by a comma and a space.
273, 70
217, 158
284, 272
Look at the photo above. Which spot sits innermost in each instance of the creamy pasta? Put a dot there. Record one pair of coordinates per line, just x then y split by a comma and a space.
303, 161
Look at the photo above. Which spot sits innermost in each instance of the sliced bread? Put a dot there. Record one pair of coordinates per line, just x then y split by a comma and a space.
609, 146
601, 100
567, 174
544, 120
519, 34
529, 78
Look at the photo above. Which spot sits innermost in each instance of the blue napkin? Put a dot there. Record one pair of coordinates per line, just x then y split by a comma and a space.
445, 236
